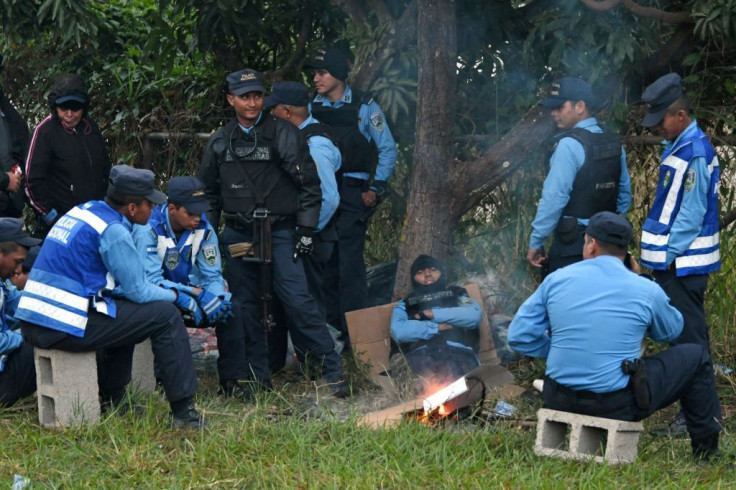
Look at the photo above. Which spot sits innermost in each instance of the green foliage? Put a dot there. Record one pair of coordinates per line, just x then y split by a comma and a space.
715, 21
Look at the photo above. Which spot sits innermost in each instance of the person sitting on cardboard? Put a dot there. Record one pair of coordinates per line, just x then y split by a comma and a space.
436, 326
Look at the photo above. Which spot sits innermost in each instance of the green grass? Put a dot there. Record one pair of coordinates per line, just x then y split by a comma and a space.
293, 439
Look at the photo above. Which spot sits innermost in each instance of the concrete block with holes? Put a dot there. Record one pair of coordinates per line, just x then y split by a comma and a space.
143, 379
583, 437
67, 388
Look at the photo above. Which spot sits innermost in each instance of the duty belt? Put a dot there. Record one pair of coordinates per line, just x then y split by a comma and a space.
588, 395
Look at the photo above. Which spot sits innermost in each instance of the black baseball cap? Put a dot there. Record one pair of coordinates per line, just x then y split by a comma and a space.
188, 192
659, 96
568, 88
128, 181
289, 93
610, 228
12, 230
244, 81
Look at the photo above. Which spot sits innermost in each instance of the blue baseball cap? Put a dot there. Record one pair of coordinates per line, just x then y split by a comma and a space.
13, 230
611, 228
659, 96
188, 192
568, 88
289, 93
244, 81
138, 182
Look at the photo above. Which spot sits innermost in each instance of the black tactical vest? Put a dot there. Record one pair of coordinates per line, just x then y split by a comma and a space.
358, 154
250, 171
596, 184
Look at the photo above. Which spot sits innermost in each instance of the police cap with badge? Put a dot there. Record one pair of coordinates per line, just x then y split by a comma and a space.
137, 182
568, 88
661, 94
244, 81
188, 192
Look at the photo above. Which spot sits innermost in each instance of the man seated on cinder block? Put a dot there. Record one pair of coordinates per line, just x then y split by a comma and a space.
180, 250
436, 326
589, 319
17, 372
68, 301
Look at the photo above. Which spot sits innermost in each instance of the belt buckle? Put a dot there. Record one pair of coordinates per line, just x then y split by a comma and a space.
260, 213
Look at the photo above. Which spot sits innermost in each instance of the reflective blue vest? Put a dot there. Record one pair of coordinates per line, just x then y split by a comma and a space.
703, 255
177, 258
69, 276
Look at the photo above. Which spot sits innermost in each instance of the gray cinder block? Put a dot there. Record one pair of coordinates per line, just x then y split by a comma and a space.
582, 437
142, 376
67, 388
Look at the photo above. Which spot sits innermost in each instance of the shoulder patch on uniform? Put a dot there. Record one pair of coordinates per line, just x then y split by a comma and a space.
209, 252
690, 177
377, 121
171, 259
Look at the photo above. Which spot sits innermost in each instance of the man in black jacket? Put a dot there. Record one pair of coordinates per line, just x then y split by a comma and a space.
67, 161
258, 161
13, 146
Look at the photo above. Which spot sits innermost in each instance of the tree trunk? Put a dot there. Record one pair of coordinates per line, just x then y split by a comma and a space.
430, 220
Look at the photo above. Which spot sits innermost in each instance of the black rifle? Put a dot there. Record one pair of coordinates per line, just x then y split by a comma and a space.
259, 252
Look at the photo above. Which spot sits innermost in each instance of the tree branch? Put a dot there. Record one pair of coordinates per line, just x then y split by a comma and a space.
299, 53
641, 11
504, 158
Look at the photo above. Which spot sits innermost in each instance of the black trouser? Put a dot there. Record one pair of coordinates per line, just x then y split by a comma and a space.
687, 294
314, 265
564, 251
114, 339
232, 345
683, 372
310, 334
18, 379
345, 275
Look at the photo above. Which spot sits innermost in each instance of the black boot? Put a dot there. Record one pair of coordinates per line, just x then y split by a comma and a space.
706, 449
334, 375
185, 415
677, 428
244, 391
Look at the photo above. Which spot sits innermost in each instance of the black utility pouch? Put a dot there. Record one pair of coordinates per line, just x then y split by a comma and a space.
567, 229
638, 372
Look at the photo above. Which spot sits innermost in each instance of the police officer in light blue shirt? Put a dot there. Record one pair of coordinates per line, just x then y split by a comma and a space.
590, 318
88, 291
180, 251
17, 371
364, 137
587, 174
290, 101
680, 238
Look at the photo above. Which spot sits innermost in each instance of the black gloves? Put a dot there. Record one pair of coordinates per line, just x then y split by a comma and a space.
303, 244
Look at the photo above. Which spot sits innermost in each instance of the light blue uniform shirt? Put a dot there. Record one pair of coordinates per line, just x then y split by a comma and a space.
10, 340
587, 318
404, 329
565, 162
203, 274
328, 159
372, 123
693, 206
121, 259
